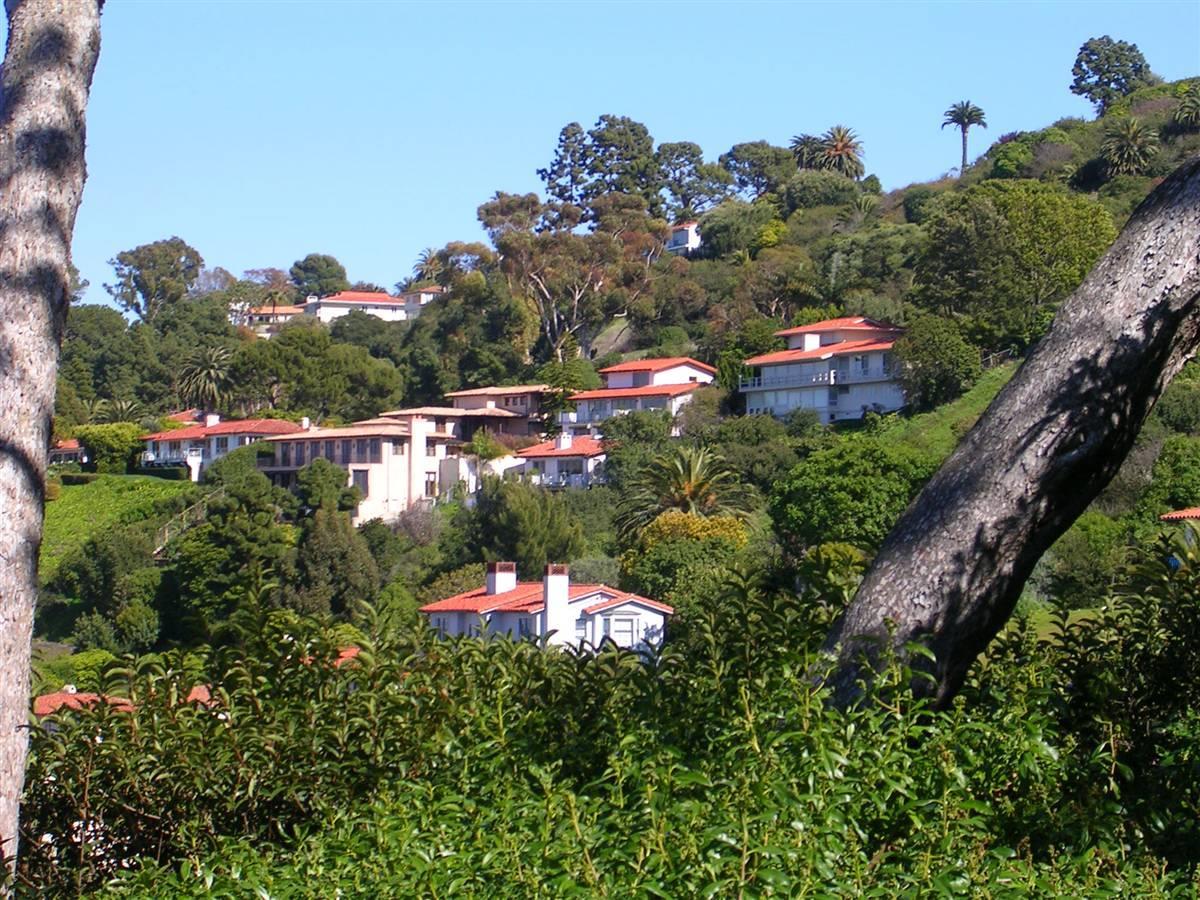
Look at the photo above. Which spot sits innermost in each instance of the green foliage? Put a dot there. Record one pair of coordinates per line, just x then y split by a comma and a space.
852, 493
153, 277
916, 203
516, 522
318, 274
1179, 406
111, 449
1080, 570
137, 626
86, 510
734, 226
634, 440
1175, 483
94, 632
1129, 146
810, 188
595, 570
324, 484
456, 581
334, 570
936, 364
1010, 160
1106, 70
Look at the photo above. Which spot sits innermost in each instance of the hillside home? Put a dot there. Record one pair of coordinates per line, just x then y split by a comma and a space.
645, 384
67, 451
564, 614
398, 308
839, 368
523, 400
202, 443
565, 461
684, 238
265, 321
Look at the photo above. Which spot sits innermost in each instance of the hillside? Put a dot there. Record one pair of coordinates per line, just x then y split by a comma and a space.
83, 510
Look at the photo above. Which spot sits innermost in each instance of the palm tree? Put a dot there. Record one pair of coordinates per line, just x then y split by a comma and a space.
1128, 147
808, 150
203, 378
123, 411
97, 410
857, 213
962, 116
689, 479
429, 265
1187, 113
842, 152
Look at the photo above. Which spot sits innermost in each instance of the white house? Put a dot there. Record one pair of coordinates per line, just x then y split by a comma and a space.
840, 368
202, 443
565, 614
399, 308
566, 461
664, 383
265, 321
684, 238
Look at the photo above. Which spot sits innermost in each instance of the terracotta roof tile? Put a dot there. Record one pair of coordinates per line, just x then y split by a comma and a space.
1192, 512
580, 446
845, 323
237, 426
845, 348
657, 365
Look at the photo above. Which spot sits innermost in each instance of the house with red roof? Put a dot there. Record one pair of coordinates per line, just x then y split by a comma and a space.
566, 461
684, 239
202, 443
660, 383
390, 308
553, 609
839, 368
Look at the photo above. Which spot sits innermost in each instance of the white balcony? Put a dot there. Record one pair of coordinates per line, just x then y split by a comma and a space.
768, 381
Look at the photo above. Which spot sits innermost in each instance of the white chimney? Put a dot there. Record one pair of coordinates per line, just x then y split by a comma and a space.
501, 577
563, 441
305, 423
211, 419
556, 612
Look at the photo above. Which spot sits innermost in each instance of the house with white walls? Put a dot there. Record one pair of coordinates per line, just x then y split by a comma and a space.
565, 461
684, 238
644, 384
839, 368
200, 444
265, 321
554, 609
523, 400
390, 308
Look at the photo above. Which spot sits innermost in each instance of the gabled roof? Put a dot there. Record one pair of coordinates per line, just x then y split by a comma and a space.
258, 427
500, 390
1192, 512
649, 390
657, 365
368, 298
846, 323
366, 428
186, 415
451, 412
584, 446
276, 310
68, 444
527, 597
48, 704
845, 348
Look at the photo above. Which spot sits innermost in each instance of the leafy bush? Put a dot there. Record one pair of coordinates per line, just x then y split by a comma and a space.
112, 449
77, 478
168, 473
811, 188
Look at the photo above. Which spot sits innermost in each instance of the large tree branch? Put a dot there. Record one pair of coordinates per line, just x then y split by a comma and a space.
47, 72
950, 572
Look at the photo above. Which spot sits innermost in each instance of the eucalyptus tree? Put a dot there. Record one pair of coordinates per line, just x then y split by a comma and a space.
964, 115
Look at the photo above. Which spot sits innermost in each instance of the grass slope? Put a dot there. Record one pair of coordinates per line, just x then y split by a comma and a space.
939, 431
82, 510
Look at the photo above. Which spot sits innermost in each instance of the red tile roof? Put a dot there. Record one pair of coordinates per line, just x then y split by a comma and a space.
657, 365
650, 390
68, 444
238, 426
845, 348
580, 446
846, 323
379, 298
276, 310
186, 415
526, 597
1192, 512
47, 704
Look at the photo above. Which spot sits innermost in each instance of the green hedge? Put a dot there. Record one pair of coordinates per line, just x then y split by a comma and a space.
79, 477
170, 473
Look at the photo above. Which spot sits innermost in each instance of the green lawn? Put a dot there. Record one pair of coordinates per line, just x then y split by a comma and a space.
938, 432
81, 510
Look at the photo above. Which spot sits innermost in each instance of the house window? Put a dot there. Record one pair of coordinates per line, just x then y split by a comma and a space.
524, 627
175, 447
441, 624
397, 447
222, 444
285, 454
431, 449
887, 364
864, 364
431, 485
623, 632
300, 445
376, 450
439, 424
360, 450
607, 626
346, 446
581, 629
330, 446
360, 479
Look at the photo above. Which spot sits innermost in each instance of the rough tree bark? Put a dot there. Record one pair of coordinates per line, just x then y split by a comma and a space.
950, 572
47, 72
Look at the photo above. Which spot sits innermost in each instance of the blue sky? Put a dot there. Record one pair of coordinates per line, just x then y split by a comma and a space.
262, 131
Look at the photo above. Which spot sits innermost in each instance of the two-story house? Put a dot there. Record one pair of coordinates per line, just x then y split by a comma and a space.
565, 461
265, 321
390, 308
562, 613
684, 238
645, 384
839, 368
523, 400
202, 443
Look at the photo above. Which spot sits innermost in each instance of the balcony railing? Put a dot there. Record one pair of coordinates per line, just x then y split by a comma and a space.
812, 379
565, 480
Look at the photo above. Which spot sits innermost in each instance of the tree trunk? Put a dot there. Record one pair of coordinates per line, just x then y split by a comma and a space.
962, 170
48, 64
950, 572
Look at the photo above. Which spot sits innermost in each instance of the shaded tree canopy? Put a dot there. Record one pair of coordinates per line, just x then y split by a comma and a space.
154, 276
